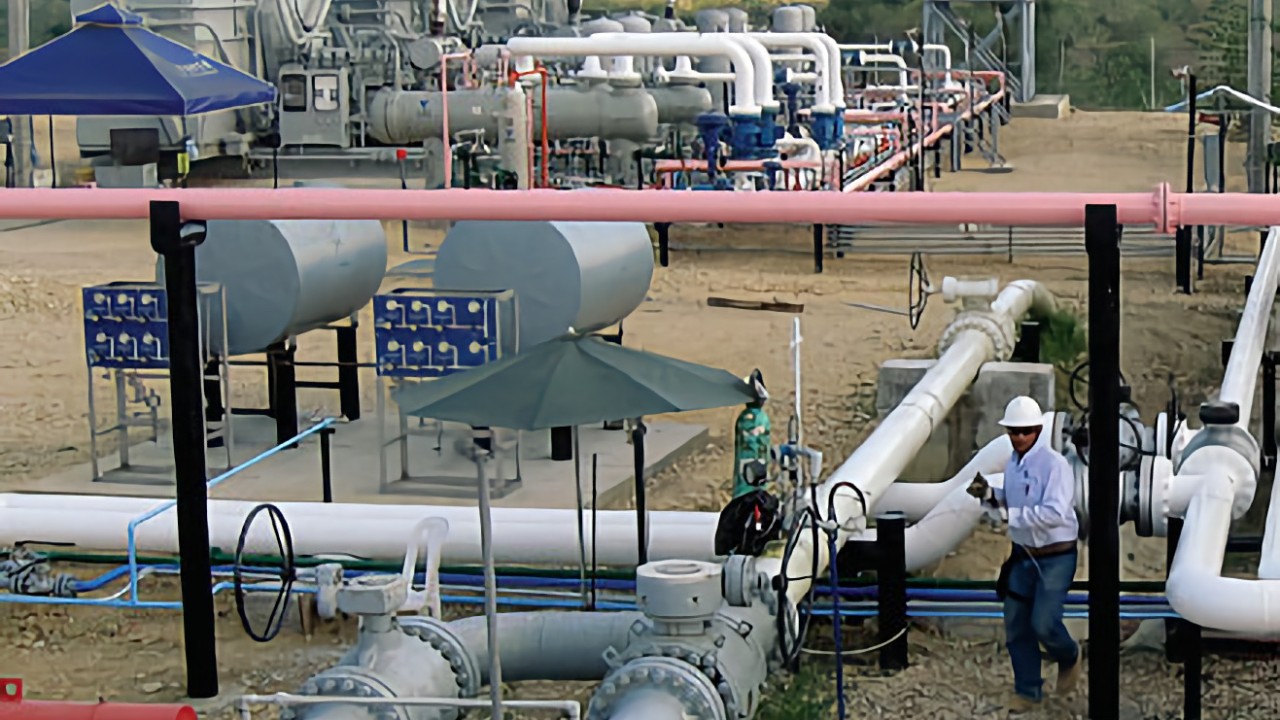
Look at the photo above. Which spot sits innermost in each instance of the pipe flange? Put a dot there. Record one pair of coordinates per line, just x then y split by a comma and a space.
999, 332
739, 580
683, 682
350, 681
450, 646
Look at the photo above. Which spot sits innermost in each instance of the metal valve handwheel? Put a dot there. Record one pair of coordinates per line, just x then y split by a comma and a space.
1080, 378
918, 289
287, 572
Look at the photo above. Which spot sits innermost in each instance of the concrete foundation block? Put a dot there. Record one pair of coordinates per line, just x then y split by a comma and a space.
1000, 382
895, 380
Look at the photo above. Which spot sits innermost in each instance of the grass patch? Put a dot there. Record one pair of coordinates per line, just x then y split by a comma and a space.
1063, 344
805, 695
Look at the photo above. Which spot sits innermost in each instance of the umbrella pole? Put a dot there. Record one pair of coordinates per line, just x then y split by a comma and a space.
582, 523
642, 514
490, 585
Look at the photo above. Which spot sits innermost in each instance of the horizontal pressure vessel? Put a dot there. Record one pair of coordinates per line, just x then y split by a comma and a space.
282, 278
584, 276
680, 104
399, 117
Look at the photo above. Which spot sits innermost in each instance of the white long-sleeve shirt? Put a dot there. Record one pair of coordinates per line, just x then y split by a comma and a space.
1039, 493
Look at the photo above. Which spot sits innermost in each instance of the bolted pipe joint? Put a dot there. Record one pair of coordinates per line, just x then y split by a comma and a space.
998, 329
388, 661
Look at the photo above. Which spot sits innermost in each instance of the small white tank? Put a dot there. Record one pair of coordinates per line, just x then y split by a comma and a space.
810, 17
602, 25
711, 21
635, 23
788, 18
739, 20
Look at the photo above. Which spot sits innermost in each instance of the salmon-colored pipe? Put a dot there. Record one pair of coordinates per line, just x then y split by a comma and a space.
48, 710
1161, 208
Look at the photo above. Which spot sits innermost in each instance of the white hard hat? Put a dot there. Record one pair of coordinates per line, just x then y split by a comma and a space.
1022, 412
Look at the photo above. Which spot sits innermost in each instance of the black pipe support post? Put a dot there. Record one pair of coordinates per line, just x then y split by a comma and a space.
1182, 240
326, 465
1027, 349
891, 575
348, 372
819, 243
561, 444
642, 509
176, 242
1102, 242
664, 243
1182, 639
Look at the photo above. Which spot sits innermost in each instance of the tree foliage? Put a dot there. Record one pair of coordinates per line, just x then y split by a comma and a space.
1098, 51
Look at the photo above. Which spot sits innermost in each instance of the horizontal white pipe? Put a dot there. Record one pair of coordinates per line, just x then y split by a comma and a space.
822, 63
939, 532
915, 500
554, 646
655, 45
880, 460
1240, 378
371, 531
571, 709
684, 71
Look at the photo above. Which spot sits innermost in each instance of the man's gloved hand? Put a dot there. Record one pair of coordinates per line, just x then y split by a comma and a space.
979, 487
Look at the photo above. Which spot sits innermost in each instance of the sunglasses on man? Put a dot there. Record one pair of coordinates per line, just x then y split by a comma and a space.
1021, 432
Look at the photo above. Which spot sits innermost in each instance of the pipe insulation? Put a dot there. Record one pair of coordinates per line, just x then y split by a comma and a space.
565, 275
403, 116
971, 340
1163, 208
282, 278
656, 45
824, 98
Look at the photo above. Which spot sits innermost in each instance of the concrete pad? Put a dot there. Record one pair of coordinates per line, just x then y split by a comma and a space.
1048, 107
443, 477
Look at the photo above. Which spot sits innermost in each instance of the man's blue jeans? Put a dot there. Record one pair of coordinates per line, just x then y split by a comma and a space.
1033, 617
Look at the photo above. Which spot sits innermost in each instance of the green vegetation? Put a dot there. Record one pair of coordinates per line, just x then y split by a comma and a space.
1105, 54
806, 695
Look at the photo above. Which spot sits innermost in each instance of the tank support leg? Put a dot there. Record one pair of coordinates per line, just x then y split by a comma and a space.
348, 373
283, 386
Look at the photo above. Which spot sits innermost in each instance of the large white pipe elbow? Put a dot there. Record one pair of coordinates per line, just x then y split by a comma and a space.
915, 500
1196, 588
762, 64
823, 102
887, 59
655, 45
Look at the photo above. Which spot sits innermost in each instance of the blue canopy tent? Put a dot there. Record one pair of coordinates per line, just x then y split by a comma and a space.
109, 64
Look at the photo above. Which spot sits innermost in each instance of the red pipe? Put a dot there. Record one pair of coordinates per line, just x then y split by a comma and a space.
48, 710
1162, 208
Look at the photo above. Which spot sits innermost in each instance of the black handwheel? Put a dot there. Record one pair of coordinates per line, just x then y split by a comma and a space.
1080, 377
287, 573
917, 289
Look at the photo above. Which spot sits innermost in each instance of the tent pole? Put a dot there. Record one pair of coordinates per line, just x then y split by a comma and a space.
582, 523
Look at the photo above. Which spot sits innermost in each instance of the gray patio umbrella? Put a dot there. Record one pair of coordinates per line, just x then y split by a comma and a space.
571, 381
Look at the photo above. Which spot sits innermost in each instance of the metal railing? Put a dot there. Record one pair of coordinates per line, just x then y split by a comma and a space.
128, 597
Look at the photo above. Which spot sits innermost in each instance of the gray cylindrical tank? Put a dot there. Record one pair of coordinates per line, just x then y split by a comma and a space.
711, 20
602, 25
738, 19
282, 278
635, 23
668, 25
397, 117
600, 111
680, 103
585, 276
788, 18
810, 17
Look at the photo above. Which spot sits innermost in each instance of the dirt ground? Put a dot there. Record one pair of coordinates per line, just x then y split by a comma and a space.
85, 654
